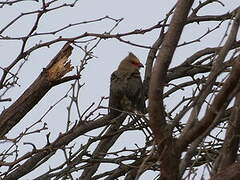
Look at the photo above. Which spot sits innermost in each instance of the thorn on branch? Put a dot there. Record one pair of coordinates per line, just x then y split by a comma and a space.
33, 145
7, 99
48, 141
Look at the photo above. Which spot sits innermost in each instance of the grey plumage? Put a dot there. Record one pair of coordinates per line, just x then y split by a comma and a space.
126, 88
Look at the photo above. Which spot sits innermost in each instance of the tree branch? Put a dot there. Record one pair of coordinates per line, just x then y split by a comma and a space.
169, 156
55, 70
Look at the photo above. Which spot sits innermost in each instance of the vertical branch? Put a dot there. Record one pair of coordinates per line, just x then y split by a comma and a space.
159, 74
228, 153
169, 155
152, 53
149, 62
103, 147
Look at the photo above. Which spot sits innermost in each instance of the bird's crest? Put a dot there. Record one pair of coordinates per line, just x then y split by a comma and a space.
133, 59
130, 63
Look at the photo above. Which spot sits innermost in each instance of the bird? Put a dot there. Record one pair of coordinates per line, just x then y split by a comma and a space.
126, 87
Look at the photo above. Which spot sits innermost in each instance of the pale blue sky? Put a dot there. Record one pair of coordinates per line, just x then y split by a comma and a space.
137, 14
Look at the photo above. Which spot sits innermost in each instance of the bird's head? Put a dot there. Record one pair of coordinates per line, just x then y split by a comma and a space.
130, 63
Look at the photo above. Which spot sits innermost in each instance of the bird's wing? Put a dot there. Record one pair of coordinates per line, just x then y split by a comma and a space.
135, 91
126, 92
116, 93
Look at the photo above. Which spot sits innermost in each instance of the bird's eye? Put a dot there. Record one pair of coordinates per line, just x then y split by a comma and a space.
135, 63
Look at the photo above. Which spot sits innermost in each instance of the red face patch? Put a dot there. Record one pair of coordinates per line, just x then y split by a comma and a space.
138, 64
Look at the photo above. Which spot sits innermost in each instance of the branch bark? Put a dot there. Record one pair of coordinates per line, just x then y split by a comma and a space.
229, 150
231, 173
60, 142
159, 74
102, 148
195, 128
228, 87
56, 69
169, 156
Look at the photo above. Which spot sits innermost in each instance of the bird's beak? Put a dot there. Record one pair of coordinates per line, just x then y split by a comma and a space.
140, 65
